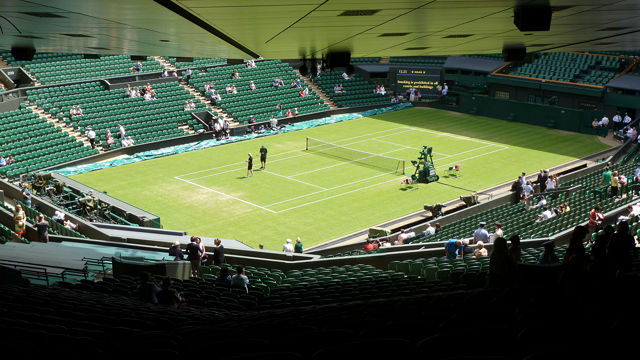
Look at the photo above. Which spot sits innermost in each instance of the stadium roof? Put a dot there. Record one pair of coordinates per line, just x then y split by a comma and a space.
290, 28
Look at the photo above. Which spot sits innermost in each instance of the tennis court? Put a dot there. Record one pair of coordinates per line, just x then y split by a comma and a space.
334, 189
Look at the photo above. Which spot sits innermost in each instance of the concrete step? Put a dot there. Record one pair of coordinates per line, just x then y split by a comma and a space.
215, 109
167, 65
319, 91
61, 125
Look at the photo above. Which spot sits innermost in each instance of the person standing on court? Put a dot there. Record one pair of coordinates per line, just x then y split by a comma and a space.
249, 162
263, 156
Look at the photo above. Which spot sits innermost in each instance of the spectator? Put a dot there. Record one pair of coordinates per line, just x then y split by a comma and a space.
369, 245
10, 160
235, 74
137, 67
621, 249
186, 106
345, 76
203, 252
550, 183
252, 86
295, 112
614, 184
302, 93
404, 236
527, 191
606, 177
466, 248
548, 256
58, 217
192, 105
481, 234
20, 220
514, 250
240, 280
3, 161
227, 89
453, 248
501, 265
126, 142
174, 73
395, 99
224, 278
430, 230
109, 140
564, 207
545, 215
438, 227
252, 120
596, 217
70, 225
251, 64
121, 132
194, 255
298, 247
176, 251
273, 122
148, 289
168, 295
187, 74
91, 135
287, 247
604, 122
218, 252
575, 259
289, 113
234, 90
480, 250
42, 226
26, 195
516, 187
165, 73
498, 232
599, 248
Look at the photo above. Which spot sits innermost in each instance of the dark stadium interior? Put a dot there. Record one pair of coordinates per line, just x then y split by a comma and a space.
563, 288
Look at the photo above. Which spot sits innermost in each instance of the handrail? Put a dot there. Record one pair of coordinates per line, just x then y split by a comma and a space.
551, 81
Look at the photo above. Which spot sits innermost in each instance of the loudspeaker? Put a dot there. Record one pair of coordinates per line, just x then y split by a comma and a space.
516, 52
534, 17
23, 53
338, 59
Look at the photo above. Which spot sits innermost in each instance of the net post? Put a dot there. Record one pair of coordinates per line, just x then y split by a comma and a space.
307, 143
403, 169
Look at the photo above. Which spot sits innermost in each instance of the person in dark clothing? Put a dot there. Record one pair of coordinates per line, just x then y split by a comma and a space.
601, 242
168, 295
542, 180
548, 256
176, 251
501, 265
194, 253
516, 188
148, 289
621, 248
263, 157
224, 278
218, 252
514, 250
42, 226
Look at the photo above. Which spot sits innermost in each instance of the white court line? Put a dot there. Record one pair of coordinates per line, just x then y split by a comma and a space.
292, 179
292, 151
409, 147
335, 196
227, 195
328, 189
460, 137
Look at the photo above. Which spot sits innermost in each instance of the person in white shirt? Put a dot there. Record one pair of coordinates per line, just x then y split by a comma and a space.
546, 215
627, 119
287, 247
252, 86
91, 135
617, 120
273, 122
121, 131
430, 230
604, 122
498, 233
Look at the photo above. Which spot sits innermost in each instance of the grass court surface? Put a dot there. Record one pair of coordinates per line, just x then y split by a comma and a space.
320, 197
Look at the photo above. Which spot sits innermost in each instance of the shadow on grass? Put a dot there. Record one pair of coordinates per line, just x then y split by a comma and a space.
498, 131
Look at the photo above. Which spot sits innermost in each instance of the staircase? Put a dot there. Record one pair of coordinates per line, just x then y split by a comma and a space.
63, 126
317, 89
215, 109
167, 65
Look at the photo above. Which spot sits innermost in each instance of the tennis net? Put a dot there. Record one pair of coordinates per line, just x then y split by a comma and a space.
357, 156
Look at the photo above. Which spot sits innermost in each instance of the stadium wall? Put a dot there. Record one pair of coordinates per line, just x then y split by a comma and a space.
529, 113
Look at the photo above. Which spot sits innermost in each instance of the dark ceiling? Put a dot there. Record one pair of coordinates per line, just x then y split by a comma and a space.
289, 28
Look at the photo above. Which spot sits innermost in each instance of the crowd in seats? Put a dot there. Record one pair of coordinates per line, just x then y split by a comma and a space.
29, 143
580, 68
229, 87
152, 116
350, 91
61, 69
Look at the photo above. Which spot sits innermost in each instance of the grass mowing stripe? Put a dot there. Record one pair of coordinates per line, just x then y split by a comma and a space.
357, 197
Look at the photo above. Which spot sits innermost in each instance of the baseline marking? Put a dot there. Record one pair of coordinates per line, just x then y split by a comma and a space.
227, 195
